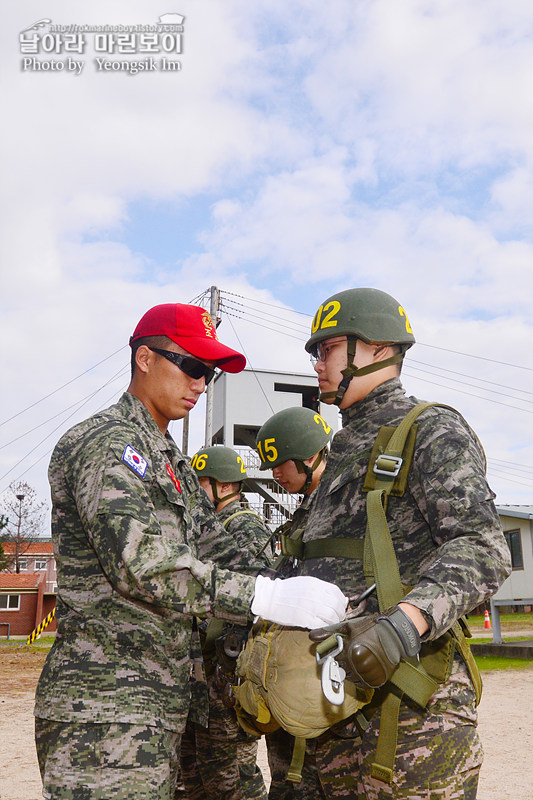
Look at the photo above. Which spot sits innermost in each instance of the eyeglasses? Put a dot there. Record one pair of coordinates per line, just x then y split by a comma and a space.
321, 350
189, 365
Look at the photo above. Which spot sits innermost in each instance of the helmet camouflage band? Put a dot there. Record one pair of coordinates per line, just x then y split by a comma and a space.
367, 314
218, 462
294, 433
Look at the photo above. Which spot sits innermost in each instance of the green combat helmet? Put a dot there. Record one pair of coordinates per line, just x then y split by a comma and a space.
221, 464
368, 314
293, 434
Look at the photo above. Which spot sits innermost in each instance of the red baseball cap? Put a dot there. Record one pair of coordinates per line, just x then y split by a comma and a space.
192, 328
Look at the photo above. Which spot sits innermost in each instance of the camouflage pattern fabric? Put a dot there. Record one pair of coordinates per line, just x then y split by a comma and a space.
293, 528
138, 548
97, 762
247, 529
451, 550
219, 761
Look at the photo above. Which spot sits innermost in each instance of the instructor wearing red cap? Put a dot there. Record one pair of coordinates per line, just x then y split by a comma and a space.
139, 554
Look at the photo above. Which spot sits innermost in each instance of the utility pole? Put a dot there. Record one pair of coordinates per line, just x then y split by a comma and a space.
20, 497
213, 310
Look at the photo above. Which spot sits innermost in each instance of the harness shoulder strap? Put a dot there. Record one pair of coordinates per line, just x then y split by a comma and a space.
238, 514
387, 474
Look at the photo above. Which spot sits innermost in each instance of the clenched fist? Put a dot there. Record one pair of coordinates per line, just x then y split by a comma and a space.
373, 645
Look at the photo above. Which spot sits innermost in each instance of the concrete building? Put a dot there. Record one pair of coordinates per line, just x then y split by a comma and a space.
517, 591
241, 404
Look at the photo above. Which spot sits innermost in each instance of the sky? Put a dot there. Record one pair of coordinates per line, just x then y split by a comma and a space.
295, 150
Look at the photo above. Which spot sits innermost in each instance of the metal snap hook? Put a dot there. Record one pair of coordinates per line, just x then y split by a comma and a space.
332, 676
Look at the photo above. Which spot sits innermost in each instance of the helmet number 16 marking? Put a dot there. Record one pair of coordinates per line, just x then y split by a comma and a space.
199, 461
329, 321
270, 451
407, 323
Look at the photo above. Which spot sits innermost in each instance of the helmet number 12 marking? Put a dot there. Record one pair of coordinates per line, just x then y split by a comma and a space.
332, 308
407, 323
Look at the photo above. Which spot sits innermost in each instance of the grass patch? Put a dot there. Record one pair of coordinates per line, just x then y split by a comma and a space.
508, 621
490, 663
44, 643
508, 638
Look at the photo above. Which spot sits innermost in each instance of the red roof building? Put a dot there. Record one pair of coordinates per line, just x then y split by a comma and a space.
24, 603
38, 557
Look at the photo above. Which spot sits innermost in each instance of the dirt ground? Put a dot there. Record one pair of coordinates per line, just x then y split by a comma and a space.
505, 723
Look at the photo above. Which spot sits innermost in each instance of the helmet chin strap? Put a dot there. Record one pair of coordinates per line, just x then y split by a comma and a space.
351, 371
218, 499
308, 470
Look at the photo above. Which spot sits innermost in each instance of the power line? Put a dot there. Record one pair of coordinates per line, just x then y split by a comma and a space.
47, 453
62, 387
261, 325
473, 385
512, 463
46, 421
253, 370
470, 394
481, 358
300, 325
90, 397
272, 305
483, 380
511, 480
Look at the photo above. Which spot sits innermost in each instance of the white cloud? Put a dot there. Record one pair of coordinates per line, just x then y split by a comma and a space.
373, 143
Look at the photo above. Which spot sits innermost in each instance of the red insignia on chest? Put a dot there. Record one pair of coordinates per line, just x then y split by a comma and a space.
175, 481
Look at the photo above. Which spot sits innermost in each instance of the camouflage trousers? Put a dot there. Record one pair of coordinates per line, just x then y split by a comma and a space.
280, 745
219, 762
88, 761
438, 755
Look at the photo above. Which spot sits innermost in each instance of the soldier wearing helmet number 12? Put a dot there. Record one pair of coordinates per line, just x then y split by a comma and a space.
447, 548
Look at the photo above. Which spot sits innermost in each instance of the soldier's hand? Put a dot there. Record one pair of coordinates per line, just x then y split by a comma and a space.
373, 645
303, 601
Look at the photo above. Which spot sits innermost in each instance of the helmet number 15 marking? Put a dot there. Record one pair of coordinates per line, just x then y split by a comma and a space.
407, 323
328, 321
271, 453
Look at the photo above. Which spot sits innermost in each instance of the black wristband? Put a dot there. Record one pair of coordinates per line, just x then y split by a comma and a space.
405, 629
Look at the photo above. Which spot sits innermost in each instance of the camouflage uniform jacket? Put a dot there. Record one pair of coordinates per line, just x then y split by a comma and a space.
293, 528
445, 528
248, 530
250, 535
132, 532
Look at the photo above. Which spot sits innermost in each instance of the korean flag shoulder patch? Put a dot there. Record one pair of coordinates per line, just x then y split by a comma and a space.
135, 460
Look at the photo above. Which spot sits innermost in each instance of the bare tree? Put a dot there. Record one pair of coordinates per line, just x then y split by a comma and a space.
25, 515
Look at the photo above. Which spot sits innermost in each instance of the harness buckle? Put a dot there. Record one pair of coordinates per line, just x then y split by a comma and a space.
390, 465
332, 676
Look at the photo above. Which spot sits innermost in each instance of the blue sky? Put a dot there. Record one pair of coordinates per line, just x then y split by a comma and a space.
300, 150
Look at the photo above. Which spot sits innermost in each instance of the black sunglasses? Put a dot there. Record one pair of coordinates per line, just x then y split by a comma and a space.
189, 365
